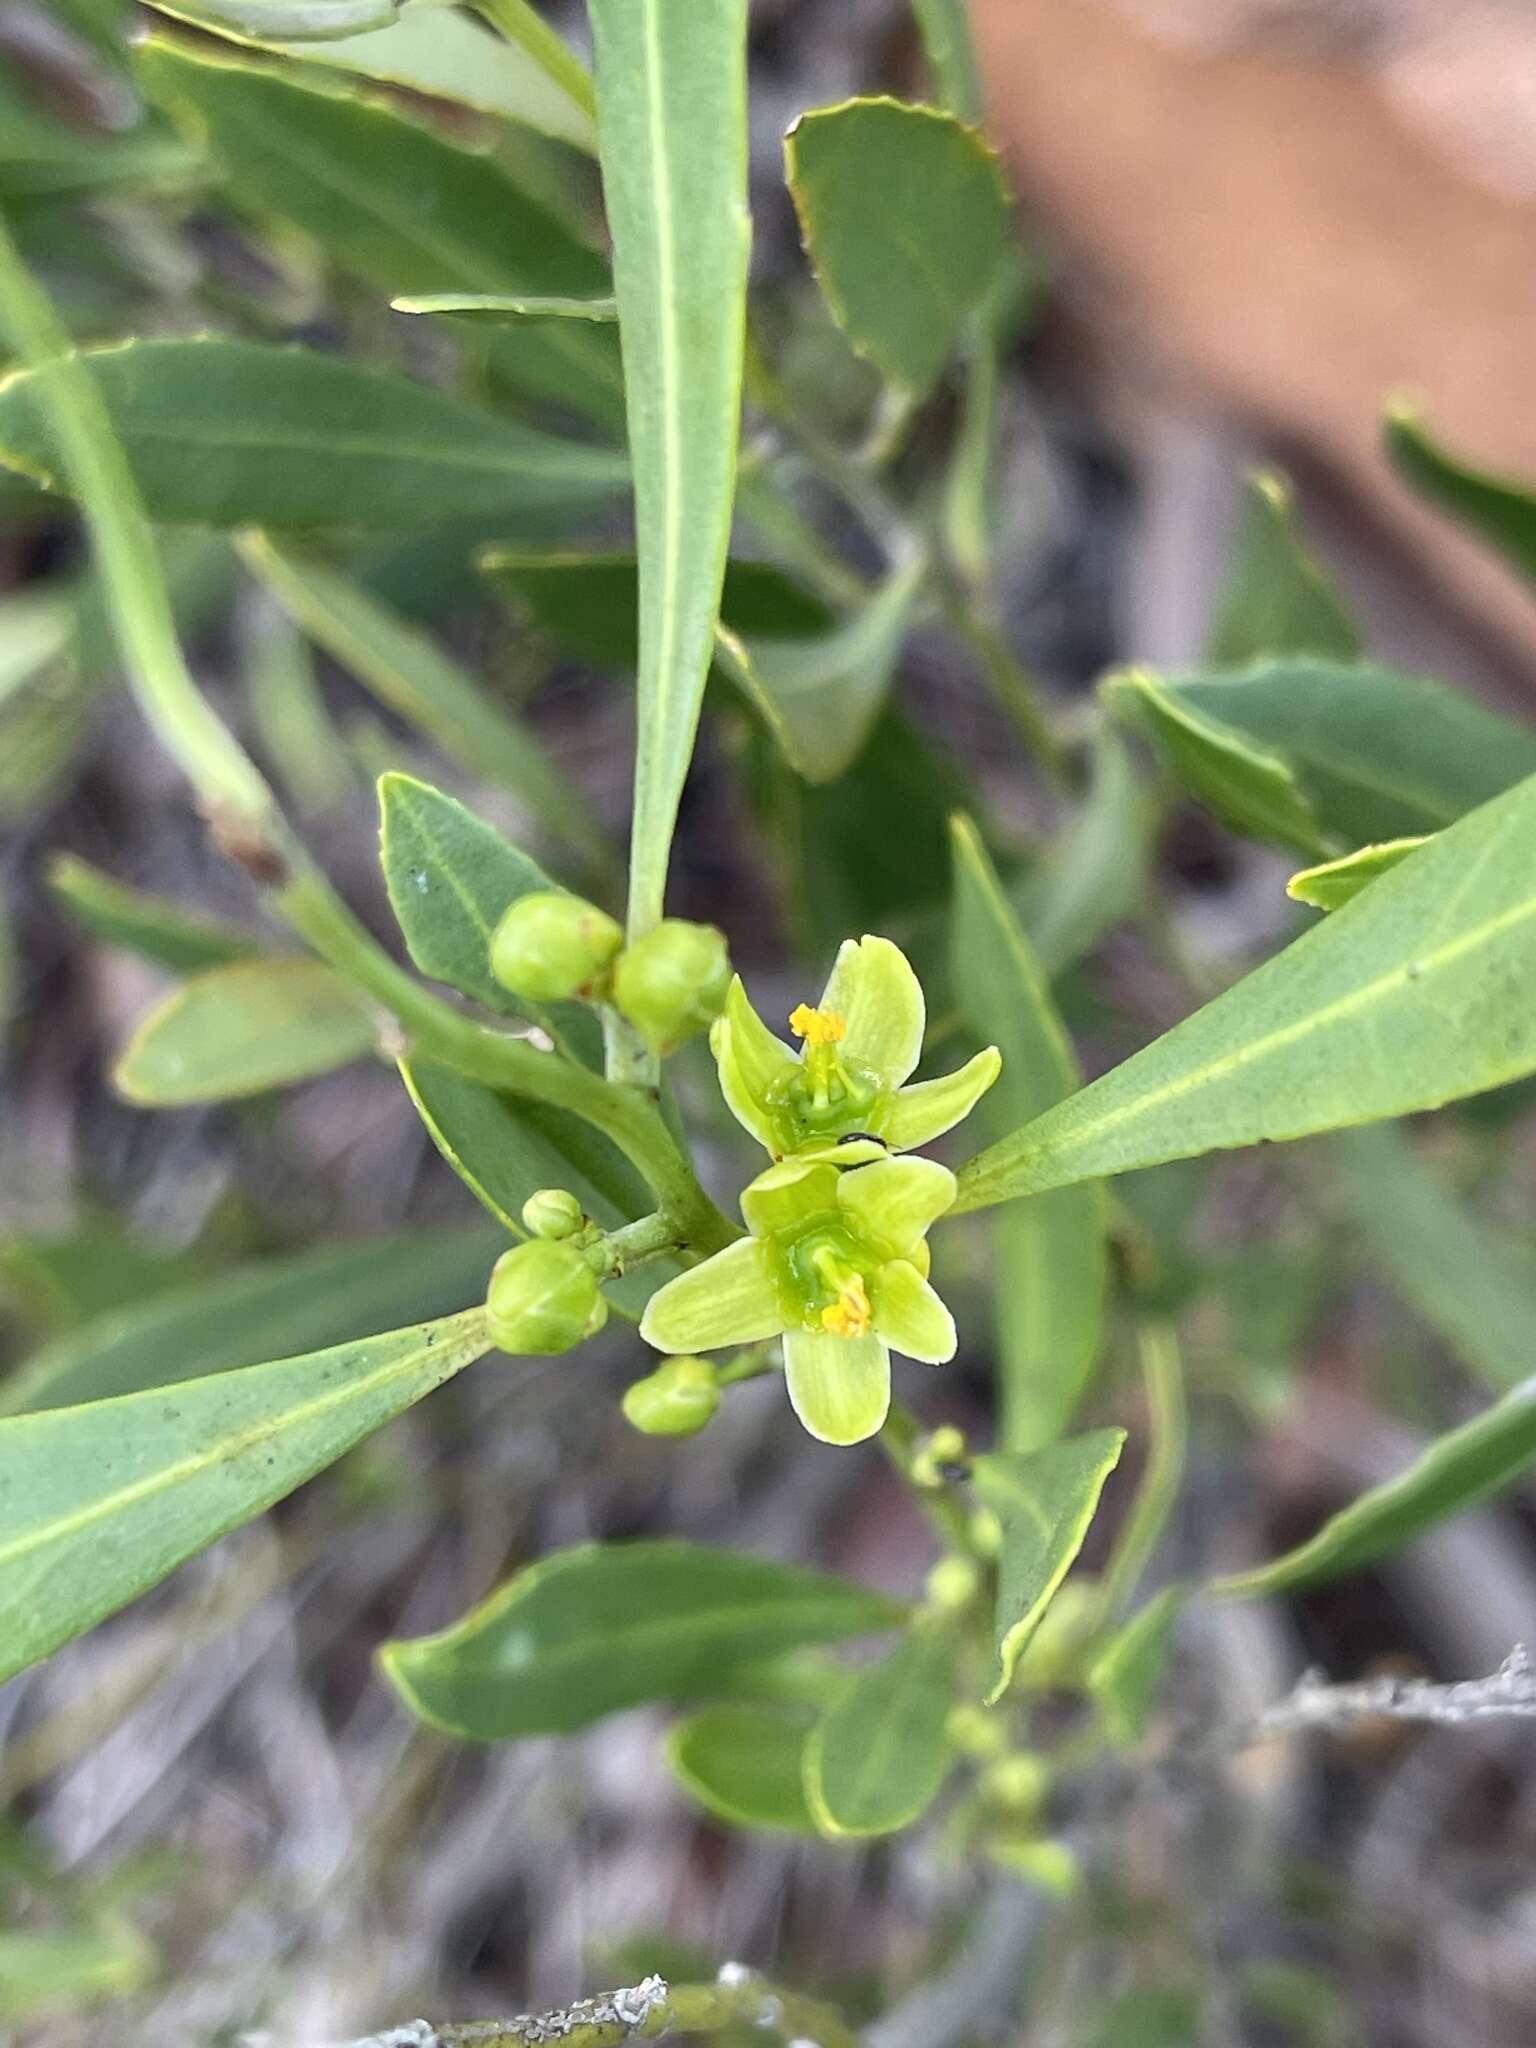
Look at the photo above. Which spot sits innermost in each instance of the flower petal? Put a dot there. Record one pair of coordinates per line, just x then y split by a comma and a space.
850, 1151
873, 988
910, 1316
840, 1386
750, 1059
920, 1113
730, 1299
789, 1193
893, 1202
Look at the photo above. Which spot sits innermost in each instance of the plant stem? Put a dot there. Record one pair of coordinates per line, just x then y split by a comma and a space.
241, 810
649, 1237
520, 24
976, 624
741, 1998
1162, 1369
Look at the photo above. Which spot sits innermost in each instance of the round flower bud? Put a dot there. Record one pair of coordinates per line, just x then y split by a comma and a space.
543, 1298
673, 982
952, 1584
677, 1399
976, 1732
550, 947
1019, 1782
553, 1212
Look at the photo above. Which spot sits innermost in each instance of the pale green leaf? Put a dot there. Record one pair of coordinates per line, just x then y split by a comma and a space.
413, 676
395, 202
604, 1626
1125, 1676
148, 925
500, 309
743, 1762
1456, 1472
423, 45
904, 214
877, 1758
299, 1302
671, 98
1420, 991
1277, 599
1337, 882
1499, 509
242, 1029
1252, 787
1044, 1501
1094, 873
240, 433
58, 1971
98, 1504
1454, 1269
1050, 1254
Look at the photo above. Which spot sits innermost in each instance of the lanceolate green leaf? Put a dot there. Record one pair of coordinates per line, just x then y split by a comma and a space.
304, 21
1378, 754
1252, 786
1277, 600
287, 1305
877, 1757
1421, 990
1337, 882
395, 203
743, 1761
427, 47
243, 1029
1044, 1501
503, 309
1050, 1253
450, 877
239, 433
1455, 1473
505, 1148
1499, 509
413, 675
1449, 1265
1096, 873
671, 98
97, 1504
905, 218
605, 1626
148, 925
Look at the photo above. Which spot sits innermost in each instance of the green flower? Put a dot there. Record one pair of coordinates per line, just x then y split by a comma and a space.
842, 1099
837, 1263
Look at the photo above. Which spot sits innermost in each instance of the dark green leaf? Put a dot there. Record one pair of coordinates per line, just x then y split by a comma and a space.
98, 1504
1498, 509
1456, 1472
1051, 1253
1253, 788
878, 1756
286, 1305
1421, 990
1277, 600
588, 1631
239, 433
396, 204
1044, 1501
145, 924
672, 138
243, 1029
905, 217
743, 1762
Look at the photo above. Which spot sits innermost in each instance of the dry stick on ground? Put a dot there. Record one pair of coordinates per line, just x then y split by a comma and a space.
1509, 1692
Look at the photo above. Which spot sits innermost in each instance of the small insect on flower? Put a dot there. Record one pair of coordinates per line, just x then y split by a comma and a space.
837, 1261
844, 1097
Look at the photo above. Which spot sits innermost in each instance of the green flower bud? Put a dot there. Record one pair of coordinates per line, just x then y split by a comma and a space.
553, 1212
976, 1732
677, 1399
945, 1447
543, 1298
1019, 1783
952, 1584
550, 947
673, 982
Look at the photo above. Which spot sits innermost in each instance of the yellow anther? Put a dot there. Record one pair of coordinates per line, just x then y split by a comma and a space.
850, 1315
818, 1027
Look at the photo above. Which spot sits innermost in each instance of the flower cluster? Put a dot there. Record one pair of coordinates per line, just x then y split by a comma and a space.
836, 1259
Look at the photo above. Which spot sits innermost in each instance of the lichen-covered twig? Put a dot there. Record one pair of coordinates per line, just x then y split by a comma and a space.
644, 2012
1509, 1692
